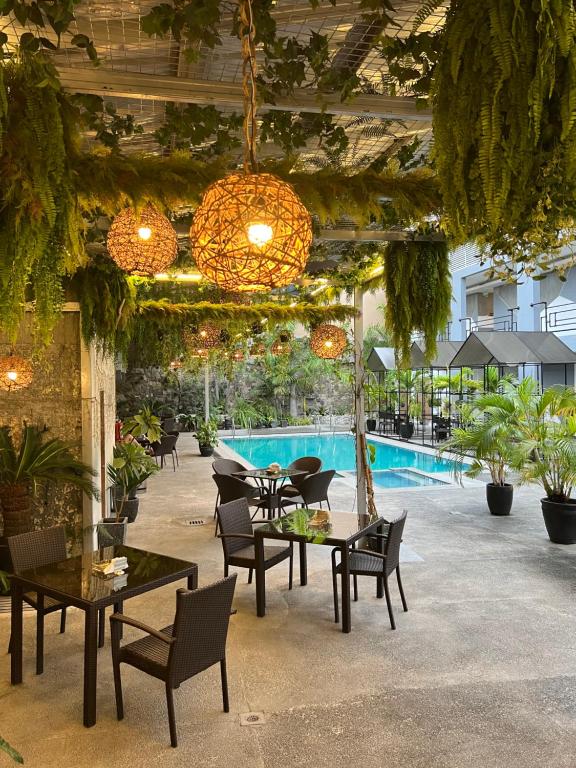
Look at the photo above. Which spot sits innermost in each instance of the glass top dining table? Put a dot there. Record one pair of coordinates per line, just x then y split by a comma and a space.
74, 582
314, 526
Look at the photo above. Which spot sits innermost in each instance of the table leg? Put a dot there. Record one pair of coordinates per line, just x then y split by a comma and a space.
16, 634
90, 665
260, 576
303, 564
193, 581
345, 574
118, 608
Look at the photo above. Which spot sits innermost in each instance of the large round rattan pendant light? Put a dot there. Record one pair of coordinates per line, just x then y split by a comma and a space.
142, 243
15, 373
250, 232
328, 341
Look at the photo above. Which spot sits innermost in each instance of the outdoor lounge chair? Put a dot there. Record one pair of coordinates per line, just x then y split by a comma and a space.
196, 641
364, 562
238, 541
33, 550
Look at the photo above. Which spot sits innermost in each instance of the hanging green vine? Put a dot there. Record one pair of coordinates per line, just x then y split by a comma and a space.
41, 226
418, 294
504, 118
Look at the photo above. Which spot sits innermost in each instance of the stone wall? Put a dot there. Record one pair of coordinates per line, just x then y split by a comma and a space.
62, 399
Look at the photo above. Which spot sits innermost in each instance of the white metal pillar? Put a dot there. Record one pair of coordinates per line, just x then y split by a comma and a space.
207, 392
359, 402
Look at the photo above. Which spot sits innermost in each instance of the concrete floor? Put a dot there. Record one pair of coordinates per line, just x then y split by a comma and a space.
479, 673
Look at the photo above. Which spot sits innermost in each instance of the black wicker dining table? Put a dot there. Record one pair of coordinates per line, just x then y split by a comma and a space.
74, 582
338, 529
265, 475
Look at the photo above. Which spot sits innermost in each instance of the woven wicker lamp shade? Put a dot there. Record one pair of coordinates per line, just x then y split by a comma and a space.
142, 243
15, 373
257, 350
280, 347
328, 341
251, 233
206, 336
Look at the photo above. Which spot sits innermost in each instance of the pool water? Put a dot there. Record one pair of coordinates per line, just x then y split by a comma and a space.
337, 452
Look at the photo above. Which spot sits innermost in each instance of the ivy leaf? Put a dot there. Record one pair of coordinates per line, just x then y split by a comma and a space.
46, 43
3, 39
29, 43
21, 11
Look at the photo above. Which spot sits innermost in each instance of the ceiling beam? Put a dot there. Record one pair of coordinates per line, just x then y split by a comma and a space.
108, 82
375, 236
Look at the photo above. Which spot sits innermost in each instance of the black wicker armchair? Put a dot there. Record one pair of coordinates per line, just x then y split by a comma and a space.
364, 562
238, 541
312, 490
33, 550
196, 641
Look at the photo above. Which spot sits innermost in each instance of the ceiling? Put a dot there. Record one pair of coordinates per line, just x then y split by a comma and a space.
139, 74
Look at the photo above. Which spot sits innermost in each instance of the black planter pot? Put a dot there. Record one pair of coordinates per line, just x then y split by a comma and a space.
560, 520
128, 509
110, 531
206, 450
406, 430
371, 425
499, 498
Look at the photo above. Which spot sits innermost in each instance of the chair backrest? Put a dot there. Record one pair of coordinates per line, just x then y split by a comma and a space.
168, 424
227, 466
308, 464
231, 488
200, 628
392, 549
37, 548
314, 488
234, 517
165, 446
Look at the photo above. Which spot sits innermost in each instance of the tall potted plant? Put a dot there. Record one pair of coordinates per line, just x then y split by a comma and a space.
546, 454
29, 464
207, 436
488, 438
129, 468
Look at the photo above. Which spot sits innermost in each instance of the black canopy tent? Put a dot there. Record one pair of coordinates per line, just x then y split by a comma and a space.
517, 352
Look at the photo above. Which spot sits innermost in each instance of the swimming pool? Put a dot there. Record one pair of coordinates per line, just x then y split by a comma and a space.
337, 451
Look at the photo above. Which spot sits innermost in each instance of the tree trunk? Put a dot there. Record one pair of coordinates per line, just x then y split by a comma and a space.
293, 402
16, 507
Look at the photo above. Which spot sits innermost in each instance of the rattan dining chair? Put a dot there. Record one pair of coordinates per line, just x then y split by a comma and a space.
308, 464
33, 550
312, 490
365, 562
238, 541
165, 447
233, 490
195, 642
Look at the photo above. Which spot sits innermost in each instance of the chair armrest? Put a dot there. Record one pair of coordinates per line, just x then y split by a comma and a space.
379, 555
120, 618
376, 535
236, 536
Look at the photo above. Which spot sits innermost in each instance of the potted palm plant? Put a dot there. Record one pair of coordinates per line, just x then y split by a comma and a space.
546, 454
24, 467
488, 438
129, 468
207, 436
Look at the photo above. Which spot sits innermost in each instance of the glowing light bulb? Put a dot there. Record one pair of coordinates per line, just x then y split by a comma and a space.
259, 234
328, 344
144, 233
12, 375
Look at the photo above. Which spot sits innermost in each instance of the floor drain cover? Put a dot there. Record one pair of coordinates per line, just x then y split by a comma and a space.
189, 522
252, 718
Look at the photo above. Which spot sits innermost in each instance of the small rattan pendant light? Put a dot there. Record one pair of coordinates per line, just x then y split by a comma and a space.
15, 373
250, 232
142, 243
328, 341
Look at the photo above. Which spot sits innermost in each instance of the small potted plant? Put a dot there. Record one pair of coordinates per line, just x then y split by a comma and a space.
406, 428
207, 436
546, 454
187, 421
130, 467
487, 439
